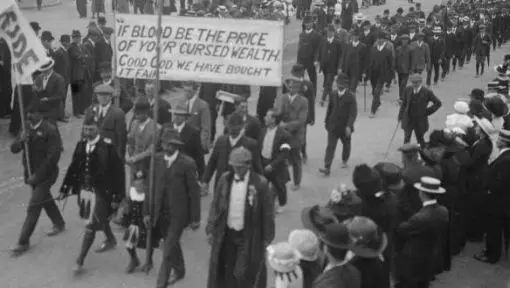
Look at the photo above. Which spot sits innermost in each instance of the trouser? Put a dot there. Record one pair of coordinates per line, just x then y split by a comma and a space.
77, 97
138, 7
353, 81
419, 136
435, 67
167, 10
173, 258
183, 4
312, 74
495, 226
418, 71
232, 245
88, 239
402, 84
327, 85
377, 85
331, 148
445, 66
39, 4
457, 59
279, 186
214, 115
468, 52
40, 199
303, 147
295, 162
63, 104
480, 66
87, 92
81, 6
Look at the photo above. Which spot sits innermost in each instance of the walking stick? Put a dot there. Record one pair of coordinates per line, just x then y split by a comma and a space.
391, 140
365, 96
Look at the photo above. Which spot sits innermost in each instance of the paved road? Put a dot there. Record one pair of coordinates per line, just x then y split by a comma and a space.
48, 263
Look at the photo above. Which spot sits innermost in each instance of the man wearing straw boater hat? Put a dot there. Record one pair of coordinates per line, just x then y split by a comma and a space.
422, 235
44, 147
240, 225
96, 176
496, 202
50, 90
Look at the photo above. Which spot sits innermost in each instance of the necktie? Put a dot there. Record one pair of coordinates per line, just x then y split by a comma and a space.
189, 107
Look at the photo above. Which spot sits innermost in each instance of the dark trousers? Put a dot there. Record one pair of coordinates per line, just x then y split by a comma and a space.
138, 8
331, 148
90, 235
419, 136
312, 74
303, 147
183, 4
480, 66
435, 67
87, 92
377, 85
495, 227
353, 81
40, 199
327, 85
39, 4
468, 54
279, 186
173, 258
295, 163
214, 115
445, 66
233, 242
405, 283
77, 97
402, 84
81, 6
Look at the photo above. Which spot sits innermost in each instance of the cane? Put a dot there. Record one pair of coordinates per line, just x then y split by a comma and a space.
365, 96
392, 138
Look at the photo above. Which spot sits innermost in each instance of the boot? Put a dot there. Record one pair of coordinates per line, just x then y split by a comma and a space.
88, 240
133, 262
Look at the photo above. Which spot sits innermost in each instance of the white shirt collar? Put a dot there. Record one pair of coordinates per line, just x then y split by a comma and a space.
355, 44
348, 257
502, 151
144, 124
381, 47
308, 31
233, 141
179, 127
330, 39
417, 90
429, 202
292, 97
192, 101
37, 125
104, 109
94, 141
171, 159
245, 178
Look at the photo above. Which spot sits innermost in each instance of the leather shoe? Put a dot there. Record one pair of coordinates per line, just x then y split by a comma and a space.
55, 230
20, 249
325, 171
174, 278
133, 264
106, 246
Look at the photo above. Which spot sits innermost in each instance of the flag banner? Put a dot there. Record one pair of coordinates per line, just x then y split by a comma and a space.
231, 51
27, 51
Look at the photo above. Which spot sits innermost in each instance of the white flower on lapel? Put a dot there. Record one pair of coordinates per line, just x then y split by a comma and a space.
251, 194
96, 114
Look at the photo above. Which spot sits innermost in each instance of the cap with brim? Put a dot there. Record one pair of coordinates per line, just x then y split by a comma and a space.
229, 97
306, 243
47, 66
282, 257
336, 236
342, 80
415, 77
409, 148
240, 157
104, 89
171, 136
367, 240
316, 218
108, 31
142, 104
420, 35
35, 26
430, 185
437, 30
47, 36
76, 34
404, 37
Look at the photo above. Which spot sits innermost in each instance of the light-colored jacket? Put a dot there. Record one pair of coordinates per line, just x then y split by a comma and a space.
294, 115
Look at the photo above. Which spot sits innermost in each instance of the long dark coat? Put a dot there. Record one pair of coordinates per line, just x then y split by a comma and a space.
415, 109
259, 230
341, 113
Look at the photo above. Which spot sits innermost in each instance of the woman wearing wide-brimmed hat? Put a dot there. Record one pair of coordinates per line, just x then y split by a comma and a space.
284, 260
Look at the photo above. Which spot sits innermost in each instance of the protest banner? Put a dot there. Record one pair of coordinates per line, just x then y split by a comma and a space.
232, 51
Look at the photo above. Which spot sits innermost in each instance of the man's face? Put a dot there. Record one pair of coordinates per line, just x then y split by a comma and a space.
234, 131
77, 40
269, 119
104, 99
47, 44
34, 118
309, 26
90, 132
150, 90
168, 148
47, 73
242, 107
240, 170
412, 31
141, 116
330, 34
354, 38
294, 87
189, 90
416, 84
108, 37
395, 188
106, 74
178, 119
405, 42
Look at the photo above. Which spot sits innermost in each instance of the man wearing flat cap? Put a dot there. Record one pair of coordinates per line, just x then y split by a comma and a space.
340, 116
420, 55
176, 205
111, 119
77, 73
240, 225
49, 88
91, 61
44, 145
141, 137
218, 162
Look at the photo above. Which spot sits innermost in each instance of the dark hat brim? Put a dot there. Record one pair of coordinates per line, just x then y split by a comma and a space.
179, 112
365, 252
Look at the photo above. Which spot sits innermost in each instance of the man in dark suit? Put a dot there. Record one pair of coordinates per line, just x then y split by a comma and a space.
44, 146
274, 151
340, 116
354, 61
63, 67
164, 114
91, 64
208, 94
267, 96
308, 48
176, 205
112, 121
403, 64
218, 162
293, 108
190, 136
252, 127
380, 70
330, 51
423, 235
240, 225
414, 110
436, 45
77, 73
496, 202
49, 87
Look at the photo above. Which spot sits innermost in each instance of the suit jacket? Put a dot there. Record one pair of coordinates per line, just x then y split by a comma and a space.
201, 119
279, 153
294, 116
77, 63
422, 237
44, 151
62, 63
345, 276
329, 55
415, 109
218, 162
112, 127
104, 53
420, 56
354, 60
164, 114
403, 61
140, 143
498, 181
259, 230
192, 147
177, 194
341, 113
380, 63
252, 127
55, 91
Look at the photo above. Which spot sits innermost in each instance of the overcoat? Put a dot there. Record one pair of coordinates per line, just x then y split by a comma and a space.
341, 113
259, 230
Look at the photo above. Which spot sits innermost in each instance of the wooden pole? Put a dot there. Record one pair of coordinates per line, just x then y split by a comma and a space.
116, 80
152, 186
19, 93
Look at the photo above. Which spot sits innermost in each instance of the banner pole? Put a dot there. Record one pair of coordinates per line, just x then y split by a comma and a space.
26, 151
152, 186
116, 80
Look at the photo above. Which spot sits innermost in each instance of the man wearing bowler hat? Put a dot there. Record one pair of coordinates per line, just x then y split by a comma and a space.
49, 88
240, 225
176, 205
415, 109
422, 235
340, 116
